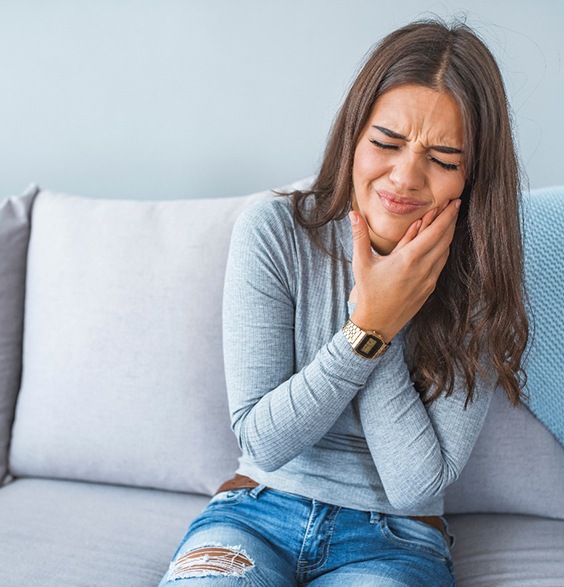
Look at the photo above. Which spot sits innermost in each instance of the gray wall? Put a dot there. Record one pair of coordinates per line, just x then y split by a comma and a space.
181, 99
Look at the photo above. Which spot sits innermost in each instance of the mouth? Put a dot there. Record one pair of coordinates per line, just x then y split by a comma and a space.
399, 204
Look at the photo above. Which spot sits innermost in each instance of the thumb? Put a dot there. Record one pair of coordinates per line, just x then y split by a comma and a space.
362, 250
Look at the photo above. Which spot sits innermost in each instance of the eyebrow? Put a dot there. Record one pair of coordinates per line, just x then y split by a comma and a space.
440, 148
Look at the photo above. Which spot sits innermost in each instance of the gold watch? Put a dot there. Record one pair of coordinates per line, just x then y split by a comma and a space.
366, 343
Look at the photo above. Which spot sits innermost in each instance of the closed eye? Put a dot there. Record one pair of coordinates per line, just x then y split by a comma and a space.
384, 145
447, 166
393, 147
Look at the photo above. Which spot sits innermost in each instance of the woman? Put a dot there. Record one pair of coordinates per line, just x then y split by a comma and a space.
361, 353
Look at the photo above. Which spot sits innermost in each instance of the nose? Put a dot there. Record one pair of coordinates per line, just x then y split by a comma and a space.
407, 172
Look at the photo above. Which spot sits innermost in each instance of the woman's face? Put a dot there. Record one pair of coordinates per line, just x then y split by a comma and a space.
408, 160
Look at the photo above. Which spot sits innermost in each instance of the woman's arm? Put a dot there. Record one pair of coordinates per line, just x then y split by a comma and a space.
417, 450
277, 413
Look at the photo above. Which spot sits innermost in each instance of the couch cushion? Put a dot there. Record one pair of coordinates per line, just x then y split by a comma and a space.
68, 533
14, 236
90, 534
516, 466
507, 551
123, 380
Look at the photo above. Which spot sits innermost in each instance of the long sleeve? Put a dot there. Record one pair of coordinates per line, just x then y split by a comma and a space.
418, 450
277, 410
311, 416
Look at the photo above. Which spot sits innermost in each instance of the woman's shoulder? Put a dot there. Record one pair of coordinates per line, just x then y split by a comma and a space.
270, 208
277, 221
271, 216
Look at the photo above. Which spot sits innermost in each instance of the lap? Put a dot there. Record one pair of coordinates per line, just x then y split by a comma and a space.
256, 539
224, 556
378, 573
223, 548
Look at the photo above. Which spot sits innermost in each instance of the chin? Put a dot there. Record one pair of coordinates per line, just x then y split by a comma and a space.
390, 233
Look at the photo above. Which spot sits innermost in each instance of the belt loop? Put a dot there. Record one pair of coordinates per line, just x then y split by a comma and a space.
375, 517
449, 535
256, 491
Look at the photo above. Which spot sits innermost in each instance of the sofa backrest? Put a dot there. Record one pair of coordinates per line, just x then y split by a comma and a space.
123, 367
14, 236
123, 380
123, 375
518, 465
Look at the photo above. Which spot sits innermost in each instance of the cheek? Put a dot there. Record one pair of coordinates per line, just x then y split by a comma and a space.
367, 165
449, 189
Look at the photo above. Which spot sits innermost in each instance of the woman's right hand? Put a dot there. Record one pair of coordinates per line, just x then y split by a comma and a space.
390, 290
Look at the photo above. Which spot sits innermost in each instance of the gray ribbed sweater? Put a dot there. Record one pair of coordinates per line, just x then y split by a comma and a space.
311, 416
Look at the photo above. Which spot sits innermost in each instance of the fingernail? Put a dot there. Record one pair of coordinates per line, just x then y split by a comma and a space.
457, 204
353, 218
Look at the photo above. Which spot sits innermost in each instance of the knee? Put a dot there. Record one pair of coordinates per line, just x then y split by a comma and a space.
210, 560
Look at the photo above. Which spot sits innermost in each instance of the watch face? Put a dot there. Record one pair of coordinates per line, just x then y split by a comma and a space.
369, 346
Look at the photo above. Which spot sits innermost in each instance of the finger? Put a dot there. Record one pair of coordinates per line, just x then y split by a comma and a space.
439, 233
439, 253
440, 263
448, 234
362, 248
428, 218
435, 271
409, 235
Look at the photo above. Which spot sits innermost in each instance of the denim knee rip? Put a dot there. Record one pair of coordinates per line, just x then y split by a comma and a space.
210, 559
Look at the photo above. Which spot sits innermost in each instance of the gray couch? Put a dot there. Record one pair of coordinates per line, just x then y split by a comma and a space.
114, 427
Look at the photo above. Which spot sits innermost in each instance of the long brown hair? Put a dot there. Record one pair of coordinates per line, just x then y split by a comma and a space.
475, 320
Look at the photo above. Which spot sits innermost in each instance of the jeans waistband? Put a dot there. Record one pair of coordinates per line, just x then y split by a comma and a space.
243, 482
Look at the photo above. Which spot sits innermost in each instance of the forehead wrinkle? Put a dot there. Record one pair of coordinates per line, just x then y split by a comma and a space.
404, 113
422, 139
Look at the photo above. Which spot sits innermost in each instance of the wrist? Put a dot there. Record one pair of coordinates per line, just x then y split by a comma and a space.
365, 343
369, 324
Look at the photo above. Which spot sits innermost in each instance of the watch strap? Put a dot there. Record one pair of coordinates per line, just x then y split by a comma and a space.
366, 343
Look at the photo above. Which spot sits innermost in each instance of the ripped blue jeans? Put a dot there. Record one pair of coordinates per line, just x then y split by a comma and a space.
262, 537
